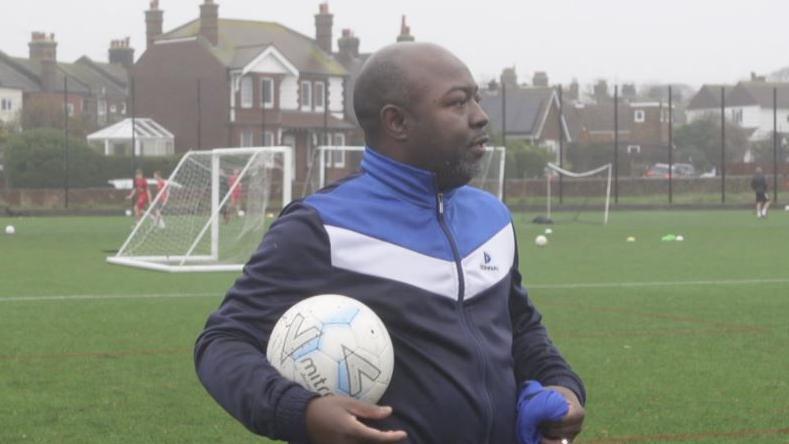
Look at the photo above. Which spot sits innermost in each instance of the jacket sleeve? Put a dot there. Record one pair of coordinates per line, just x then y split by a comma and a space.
230, 354
534, 354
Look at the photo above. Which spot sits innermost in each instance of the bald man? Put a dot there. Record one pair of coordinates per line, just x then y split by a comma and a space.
434, 258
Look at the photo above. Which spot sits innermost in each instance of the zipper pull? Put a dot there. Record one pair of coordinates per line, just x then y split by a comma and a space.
440, 203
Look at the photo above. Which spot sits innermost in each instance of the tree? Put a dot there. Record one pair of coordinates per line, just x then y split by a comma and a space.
525, 160
48, 112
699, 143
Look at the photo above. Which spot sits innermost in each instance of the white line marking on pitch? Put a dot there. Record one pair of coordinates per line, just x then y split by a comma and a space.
659, 284
82, 297
78, 297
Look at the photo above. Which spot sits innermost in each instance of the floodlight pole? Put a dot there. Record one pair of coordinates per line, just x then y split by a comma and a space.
616, 143
775, 144
561, 146
134, 132
199, 119
65, 142
670, 147
723, 144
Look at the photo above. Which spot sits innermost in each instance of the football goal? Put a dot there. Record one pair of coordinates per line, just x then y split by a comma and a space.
587, 191
213, 211
331, 163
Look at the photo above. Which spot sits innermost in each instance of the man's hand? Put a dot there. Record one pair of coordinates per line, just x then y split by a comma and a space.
570, 425
548, 415
334, 419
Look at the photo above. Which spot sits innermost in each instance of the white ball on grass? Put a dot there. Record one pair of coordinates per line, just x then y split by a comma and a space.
541, 241
241, 213
128, 212
679, 238
9, 229
548, 231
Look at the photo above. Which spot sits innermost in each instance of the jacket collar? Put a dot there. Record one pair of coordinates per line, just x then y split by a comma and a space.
411, 183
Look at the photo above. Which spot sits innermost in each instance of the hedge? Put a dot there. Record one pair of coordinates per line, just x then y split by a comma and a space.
35, 159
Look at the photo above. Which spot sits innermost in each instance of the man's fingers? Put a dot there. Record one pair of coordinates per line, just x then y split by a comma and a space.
367, 410
559, 430
369, 434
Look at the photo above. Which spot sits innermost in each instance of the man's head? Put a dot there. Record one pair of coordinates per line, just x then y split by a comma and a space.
417, 103
138, 172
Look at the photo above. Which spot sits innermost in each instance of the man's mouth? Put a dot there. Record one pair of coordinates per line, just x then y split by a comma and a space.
478, 145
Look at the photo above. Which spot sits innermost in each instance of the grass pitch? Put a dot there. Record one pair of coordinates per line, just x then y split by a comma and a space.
677, 341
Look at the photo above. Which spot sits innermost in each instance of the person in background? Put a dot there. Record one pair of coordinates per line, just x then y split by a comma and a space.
759, 185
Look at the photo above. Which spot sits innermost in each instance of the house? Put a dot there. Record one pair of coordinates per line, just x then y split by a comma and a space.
531, 112
218, 82
750, 105
642, 127
706, 102
41, 84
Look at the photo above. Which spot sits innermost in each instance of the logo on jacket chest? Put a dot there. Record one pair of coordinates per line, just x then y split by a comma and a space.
487, 263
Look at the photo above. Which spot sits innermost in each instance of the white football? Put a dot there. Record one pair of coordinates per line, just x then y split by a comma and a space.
9, 229
241, 213
128, 212
333, 344
548, 231
541, 240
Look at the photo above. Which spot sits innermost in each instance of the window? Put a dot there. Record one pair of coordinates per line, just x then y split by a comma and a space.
246, 92
338, 156
247, 138
267, 92
70, 109
123, 109
102, 107
6, 105
320, 95
633, 149
268, 138
639, 116
113, 108
306, 95
736, 115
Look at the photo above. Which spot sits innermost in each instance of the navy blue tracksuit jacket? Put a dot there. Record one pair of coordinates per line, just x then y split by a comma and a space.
441, 271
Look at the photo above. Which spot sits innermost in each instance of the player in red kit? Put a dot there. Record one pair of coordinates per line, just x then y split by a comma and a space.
141, 193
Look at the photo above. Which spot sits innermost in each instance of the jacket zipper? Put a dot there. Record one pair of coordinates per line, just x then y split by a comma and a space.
464, 319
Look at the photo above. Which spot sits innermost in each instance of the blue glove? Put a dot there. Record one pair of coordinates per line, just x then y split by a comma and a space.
537, 404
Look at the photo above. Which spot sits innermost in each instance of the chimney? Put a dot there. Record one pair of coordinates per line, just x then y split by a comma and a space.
601, 91
43, 49
209, 21
405, 32
509, 78
540, 79
575, 92
121, 53
629, 91
153, 23
323, 24
348, 45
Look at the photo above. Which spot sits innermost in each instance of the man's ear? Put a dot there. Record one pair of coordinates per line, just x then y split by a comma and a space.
393, 122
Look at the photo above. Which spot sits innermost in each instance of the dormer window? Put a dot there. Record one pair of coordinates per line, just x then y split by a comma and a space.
320, 95
246, 92
267, 92
306, 95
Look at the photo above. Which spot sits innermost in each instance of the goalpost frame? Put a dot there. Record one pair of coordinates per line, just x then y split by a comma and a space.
589, 173
160, 263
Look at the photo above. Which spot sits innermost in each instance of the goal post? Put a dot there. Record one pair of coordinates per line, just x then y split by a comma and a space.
213, 210
603, 171
331, 163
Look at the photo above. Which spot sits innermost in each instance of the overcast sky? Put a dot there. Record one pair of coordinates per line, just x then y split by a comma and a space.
682, 41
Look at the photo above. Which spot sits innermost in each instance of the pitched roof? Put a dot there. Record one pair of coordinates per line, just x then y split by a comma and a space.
31, 69
708, 96
525, 109
240, 41
599, 117
759, 94
143, 128
13, 75
94, 77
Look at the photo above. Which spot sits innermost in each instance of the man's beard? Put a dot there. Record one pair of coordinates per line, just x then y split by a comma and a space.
457, 172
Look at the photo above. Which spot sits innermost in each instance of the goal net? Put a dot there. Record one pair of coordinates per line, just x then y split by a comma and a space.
213, 210
331, 163
586, 195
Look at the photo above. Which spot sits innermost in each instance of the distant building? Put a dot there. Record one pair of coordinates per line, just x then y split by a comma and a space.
97, 91
532, 113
